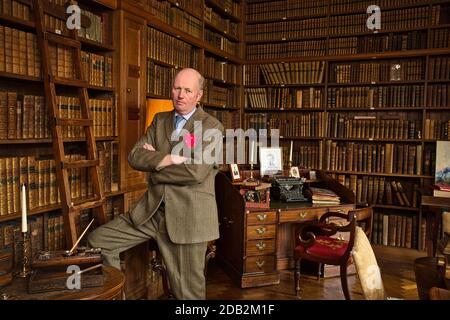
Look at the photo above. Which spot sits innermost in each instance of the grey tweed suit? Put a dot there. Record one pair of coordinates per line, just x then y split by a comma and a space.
179, 209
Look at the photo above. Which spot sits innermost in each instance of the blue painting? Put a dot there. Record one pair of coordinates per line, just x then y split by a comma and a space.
442, 162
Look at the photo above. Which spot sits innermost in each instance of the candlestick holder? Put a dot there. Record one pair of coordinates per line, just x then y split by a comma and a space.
251, 180
290, 166
26, 270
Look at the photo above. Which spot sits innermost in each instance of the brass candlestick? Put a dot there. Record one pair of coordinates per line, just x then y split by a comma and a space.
26, 270
251, 180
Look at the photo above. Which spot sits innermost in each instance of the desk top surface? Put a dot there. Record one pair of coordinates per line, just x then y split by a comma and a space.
275, 205
114, 281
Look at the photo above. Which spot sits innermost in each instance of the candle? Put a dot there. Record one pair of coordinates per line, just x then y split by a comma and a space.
290, 153
252, 151
24, 209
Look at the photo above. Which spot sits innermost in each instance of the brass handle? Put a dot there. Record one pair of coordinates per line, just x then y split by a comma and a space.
302, 215
260, 263
261, 230
261, 246
262, 217
128, 90
340, 211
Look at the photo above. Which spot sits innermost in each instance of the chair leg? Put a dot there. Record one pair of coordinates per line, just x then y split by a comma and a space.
344, 281
297, 277
319, 271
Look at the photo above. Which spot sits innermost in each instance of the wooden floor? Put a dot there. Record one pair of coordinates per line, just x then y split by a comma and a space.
396, 270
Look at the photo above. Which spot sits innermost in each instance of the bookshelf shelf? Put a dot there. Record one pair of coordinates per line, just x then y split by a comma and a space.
283, 110
157, 96
222, 82
222, 11
94, 45
219, 31
365, 173
218, 106
282, 85
287, 18
374, 109
99, 88
300, 138
374, 83
377, 140
385, 206
19, 77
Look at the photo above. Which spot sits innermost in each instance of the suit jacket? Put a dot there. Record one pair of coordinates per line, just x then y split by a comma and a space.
186, 189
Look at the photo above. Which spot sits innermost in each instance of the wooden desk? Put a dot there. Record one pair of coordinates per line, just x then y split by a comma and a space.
435, 206
111, 290
255, 243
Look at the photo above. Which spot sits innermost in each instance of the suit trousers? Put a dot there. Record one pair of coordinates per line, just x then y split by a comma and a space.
184, 262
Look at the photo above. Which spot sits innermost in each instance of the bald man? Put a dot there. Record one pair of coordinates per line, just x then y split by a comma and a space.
179, 209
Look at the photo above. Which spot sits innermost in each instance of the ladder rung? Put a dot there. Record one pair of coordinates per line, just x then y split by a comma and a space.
74, 122
87, 205
56, 38
70, 82
80, 164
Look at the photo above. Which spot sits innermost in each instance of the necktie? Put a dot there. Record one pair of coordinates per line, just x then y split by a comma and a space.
178, 123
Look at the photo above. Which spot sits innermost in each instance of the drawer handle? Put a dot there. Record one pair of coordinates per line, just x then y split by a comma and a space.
302, 214
261, 230
262, 217
260, 263
261, 246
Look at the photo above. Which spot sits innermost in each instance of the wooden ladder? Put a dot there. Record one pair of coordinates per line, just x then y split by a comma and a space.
70, 207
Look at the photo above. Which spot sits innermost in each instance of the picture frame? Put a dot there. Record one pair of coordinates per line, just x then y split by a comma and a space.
235, 172
294, 172
270, 161
312, 175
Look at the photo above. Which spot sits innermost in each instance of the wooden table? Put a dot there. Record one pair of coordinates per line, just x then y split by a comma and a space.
434, 205
111, 289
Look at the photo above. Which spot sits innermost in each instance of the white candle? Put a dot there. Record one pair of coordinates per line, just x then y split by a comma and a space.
252, 151
290, 153
24, 209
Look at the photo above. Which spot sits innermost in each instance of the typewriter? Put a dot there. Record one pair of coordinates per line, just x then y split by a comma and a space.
288, 189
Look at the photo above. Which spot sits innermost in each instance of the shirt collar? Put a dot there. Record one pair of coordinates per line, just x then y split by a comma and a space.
186, 116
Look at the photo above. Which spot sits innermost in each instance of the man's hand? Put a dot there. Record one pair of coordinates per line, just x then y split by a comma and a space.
171, 159
149, 147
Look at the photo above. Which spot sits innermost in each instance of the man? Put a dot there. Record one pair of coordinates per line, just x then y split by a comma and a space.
179, 209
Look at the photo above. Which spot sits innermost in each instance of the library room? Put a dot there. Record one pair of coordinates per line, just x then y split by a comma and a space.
302, 147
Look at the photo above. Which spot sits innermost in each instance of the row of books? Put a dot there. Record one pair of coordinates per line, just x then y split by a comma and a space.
376, 158
229, 120
438, 96
284, 8
439, 38
223, 96
402, 96
46, 232
233, 7
157, 7
25, 116
370, 127
401, 70
220, 70
293, 72
98, 29
303, 155
412, 40
171, 50
370, 190
436, 129
223, 24
39, 174
439, 68
305, 125
159, 79
398, 231
310, 48
220, 42
287, 30
97, 69
283, 98
351, 5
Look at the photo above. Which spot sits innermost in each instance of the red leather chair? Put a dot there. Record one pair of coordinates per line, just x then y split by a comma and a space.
314, 241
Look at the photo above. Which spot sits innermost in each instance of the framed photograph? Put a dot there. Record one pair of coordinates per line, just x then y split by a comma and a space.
312, 175
294, 172
270, 161
235, 173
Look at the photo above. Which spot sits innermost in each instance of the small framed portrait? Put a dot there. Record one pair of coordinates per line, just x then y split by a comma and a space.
312, 175
270, 161
294, 172
235, 173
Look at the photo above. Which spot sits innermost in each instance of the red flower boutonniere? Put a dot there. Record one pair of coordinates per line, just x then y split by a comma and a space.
189, 140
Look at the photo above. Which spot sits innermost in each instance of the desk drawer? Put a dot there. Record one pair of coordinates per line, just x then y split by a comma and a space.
261, 217
301, 214
261, 231
341, 209
259, 247
260, 264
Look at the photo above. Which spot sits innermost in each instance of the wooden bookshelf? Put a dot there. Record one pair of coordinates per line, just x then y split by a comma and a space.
273, 55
